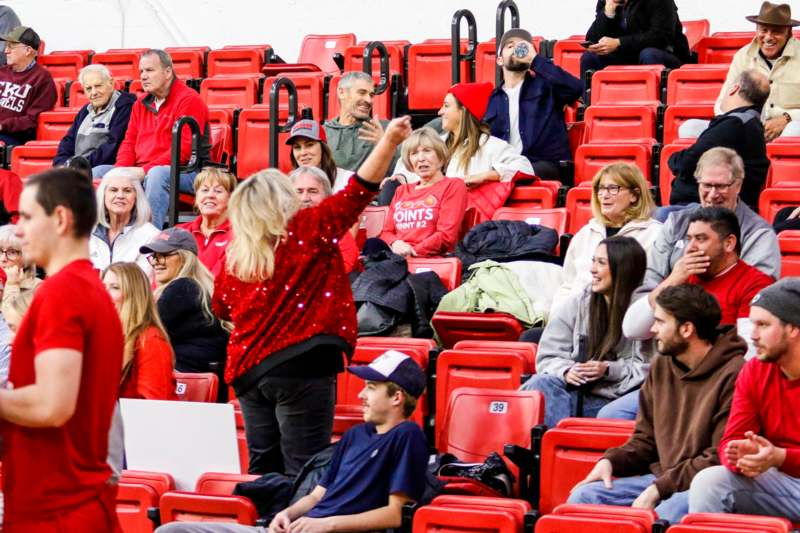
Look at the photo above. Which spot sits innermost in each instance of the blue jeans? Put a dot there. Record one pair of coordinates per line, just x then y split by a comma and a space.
559, 402
625, 490
625, 407
718, 490
156, 188
100, 170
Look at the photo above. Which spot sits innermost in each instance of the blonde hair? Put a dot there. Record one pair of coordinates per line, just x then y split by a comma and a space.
141, 213
624, 175
215, 175
20, 302
137, 312
260, 209
428, 138
194, 269
467, 141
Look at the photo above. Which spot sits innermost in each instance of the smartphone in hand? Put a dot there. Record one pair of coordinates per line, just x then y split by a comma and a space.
587, 44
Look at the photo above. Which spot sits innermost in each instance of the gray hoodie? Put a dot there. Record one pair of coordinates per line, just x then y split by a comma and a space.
349, 151
560, 345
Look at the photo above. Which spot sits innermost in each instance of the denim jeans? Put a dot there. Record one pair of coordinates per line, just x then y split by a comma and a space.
718, 490
625, 407
559, 402
100, 170
625, 490
287, 421
156, 188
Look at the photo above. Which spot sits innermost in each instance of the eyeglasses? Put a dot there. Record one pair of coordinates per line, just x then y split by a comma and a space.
14, 46
720, 187
612, 190
159, 259
10, 253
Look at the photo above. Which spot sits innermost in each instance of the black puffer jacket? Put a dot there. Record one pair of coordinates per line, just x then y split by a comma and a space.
506, 240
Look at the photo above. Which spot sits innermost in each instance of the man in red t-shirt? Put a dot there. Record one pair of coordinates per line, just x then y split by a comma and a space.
760, 450
65, 371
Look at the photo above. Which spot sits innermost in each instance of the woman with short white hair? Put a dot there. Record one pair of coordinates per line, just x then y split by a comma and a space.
123, 222
100, 125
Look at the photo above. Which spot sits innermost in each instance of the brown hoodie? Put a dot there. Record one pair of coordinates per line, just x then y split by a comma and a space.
682, 416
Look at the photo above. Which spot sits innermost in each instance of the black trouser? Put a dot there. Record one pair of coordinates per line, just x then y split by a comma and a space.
287, 421
782, 220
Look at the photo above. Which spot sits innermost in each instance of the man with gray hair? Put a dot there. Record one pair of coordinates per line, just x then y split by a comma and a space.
312, 186
738, 128
100, 125
147, 144
354, 132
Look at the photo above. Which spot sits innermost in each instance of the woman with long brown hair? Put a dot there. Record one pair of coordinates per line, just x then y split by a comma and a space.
148, 360
582, 351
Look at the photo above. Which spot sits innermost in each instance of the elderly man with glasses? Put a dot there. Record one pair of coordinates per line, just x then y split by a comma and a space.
26, 87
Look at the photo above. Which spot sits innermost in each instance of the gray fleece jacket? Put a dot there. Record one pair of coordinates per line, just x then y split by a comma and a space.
560, 345
759, 245
348, 150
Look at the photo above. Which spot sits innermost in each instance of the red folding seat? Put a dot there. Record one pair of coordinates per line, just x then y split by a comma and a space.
722, 522
391, 342
133, 502
237, 91
160, 481
626, 86
53, 125
124, 65
196, 387
568, 455
27, 160
234, 61
381, 103
556, 218
370, 222
695, 85
62, 66
773, 200
719, 48
620, 123
534, 196
310, 91
354, 58
86, 55
77, 98
591, 158
789, 241
665, 175
212, 500
676, 115
430, 74
784, 169
447, 268
453, 327
567, 55
598, 518
436, 519
319, 50
595, 424
579, 206
525, 349
695, 30
187, 63
253, 142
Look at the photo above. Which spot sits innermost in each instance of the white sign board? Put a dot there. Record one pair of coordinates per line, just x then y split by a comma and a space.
184, 439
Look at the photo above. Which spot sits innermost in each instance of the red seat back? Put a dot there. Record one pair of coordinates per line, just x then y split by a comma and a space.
721, 48
253, 142
615, 87
188, 63
533, 196
124, 65
310, 91
319, 50
695, 85
370, 223
354, 58
676, 115
665, 175
789, 241
438, 519
447, 268
556, 218
53, 125
62, 66
591, 158
196, 387
773, 200
239, 91
735, 522
133, 502
454, 327
234, 61
567, 55
784, 169
619, 123
695, 30
429, 74
220, 483
579, 205
32, 159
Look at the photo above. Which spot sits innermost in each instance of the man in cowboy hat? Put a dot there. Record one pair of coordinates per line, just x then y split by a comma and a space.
776, 53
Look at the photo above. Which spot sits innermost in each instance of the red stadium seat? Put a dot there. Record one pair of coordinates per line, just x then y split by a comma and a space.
27, 160
124, 65
789, 241
676, 115
135, 88
619, 123
62, 66
253, 142
133, 502
354, 58
556, 218
568, 455
591, 158
525, 349
784, 169
534, 196
221, 142
188, 62
160, 481
211, 501
196, 387
567, 55
53, 125
597, 424
714, 522
234, 61
623, 86
76, 97
86, 55
381, 103
392, 342
579, 206
447, 268
484, 370
437, 519
429, 74
695, 30
721, 49
695, 85
238, 91
454, 327
665, 175
319, 50
370, 223
773, 200
310, 91
598, 518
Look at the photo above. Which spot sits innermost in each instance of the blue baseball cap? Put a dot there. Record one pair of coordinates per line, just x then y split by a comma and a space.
396, 367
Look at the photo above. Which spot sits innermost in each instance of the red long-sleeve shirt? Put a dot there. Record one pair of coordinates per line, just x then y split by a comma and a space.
151, 376
765, 402
427, 218
148, 140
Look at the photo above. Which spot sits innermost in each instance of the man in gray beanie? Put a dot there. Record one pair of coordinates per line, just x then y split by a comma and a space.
760, 451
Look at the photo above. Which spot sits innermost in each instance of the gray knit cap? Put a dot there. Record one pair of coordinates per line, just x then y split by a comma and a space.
782, 299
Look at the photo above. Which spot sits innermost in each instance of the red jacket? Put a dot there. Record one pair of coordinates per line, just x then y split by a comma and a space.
211, 250
151, 376
309, 293
148, 140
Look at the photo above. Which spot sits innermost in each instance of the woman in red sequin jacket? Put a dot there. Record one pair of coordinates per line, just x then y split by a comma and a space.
285, 290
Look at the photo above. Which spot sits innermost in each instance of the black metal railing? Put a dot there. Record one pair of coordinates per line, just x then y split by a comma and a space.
455, 39
175, 167
275, 128
500, 29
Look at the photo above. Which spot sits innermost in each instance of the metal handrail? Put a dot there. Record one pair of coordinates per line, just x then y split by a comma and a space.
175, 168
274, 127
455, 40
384, 58
500, 25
